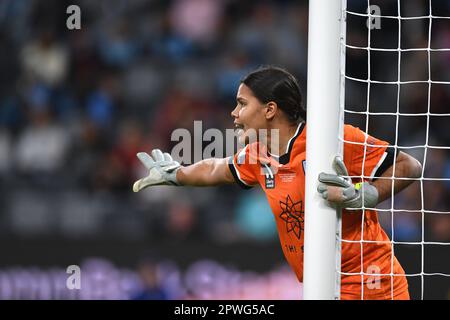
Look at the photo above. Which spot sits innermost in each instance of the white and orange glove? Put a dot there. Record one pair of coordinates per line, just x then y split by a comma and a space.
162, 170
339, 189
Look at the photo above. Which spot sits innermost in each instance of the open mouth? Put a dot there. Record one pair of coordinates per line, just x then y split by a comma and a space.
238, 126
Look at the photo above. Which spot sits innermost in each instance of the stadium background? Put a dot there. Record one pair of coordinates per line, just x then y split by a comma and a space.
76, 106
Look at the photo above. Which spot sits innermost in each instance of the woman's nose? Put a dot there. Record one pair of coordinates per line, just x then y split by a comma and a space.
235, 112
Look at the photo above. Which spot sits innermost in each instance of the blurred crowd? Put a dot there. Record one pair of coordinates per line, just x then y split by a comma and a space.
77, 105
153, 280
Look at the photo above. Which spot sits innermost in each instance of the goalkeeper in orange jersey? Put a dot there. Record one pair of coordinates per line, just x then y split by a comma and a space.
270, 98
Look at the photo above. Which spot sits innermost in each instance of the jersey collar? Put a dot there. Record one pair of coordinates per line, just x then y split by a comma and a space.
284, 159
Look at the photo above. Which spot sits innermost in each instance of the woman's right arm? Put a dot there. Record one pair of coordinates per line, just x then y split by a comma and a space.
163, 170
208, 172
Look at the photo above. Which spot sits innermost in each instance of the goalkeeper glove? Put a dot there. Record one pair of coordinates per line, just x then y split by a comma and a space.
162, 170
340, 190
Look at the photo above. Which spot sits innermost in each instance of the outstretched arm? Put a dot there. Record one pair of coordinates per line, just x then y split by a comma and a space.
163, 170
406, 166
209, 172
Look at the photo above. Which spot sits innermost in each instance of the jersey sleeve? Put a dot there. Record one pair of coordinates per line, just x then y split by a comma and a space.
242, 168
361, 150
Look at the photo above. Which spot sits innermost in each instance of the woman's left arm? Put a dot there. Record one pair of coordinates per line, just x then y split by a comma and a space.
406, 167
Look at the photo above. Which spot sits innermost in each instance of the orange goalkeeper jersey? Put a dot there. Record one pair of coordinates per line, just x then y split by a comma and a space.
283, 180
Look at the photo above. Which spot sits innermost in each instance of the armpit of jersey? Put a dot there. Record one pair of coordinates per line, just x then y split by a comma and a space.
385, 162
242, 169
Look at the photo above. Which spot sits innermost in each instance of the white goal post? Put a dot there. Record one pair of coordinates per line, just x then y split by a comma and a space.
327, 108
322, 224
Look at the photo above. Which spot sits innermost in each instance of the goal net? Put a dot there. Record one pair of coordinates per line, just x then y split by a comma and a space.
396, 76
382, 66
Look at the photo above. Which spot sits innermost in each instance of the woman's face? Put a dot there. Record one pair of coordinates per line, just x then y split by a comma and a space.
249, 115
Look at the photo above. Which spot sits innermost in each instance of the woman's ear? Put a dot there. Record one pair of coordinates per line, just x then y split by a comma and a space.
271, 110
